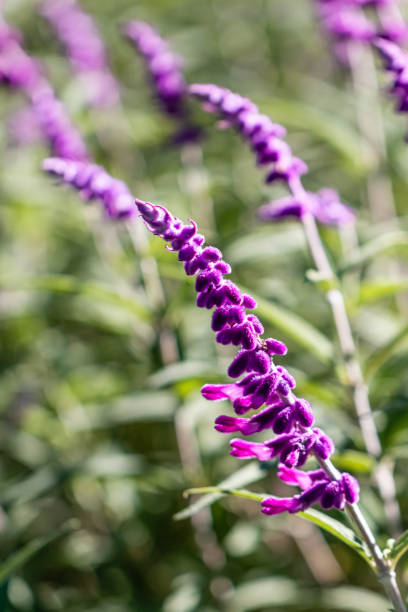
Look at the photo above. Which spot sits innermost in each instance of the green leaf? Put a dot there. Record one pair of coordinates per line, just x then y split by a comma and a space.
297, 328
396, 241
338, 530
177, 372
264, 244
258, 497
250, 473
22, 556
398, 549
60, 283
323, 282
354, 461
384, 353
324, 521
373, 290
339, 135
139, 407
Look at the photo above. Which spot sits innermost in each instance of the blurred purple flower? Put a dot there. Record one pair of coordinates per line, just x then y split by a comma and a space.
23, 126
395, 62
264, 383
346, 22
324, 205
85, 49
164, 68
20, 71
93, 182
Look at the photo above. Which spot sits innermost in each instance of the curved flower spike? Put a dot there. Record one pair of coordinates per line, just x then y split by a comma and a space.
265, 385
265, 139
73, 26
93, 182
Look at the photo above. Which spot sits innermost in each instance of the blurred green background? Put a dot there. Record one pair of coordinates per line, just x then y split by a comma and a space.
102, 423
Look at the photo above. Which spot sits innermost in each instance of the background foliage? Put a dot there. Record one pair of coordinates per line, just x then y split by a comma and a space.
99, 433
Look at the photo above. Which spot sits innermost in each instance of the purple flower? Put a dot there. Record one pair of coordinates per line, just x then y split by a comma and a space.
164, 68
20, 71
85, 48
93, 182
395, 62
17, 69
265, 139
316, 488
23, 126
265, 385
63, 138
324, 205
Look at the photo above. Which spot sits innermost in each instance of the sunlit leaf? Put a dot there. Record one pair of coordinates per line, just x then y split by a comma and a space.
337, 529
373, 290
250, 473
398, 549
60, 283
261, 245
181, 371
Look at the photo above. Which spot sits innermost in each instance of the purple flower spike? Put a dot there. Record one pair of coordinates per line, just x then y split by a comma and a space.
19, 70
266, 388
164, 68
396, 62
262, 135
265, 139
93, 182
85, 48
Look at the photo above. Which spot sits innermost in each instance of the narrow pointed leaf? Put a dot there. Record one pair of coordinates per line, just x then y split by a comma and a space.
399, 548
246, 475
296, 328
61, 283
337, 529
22, 556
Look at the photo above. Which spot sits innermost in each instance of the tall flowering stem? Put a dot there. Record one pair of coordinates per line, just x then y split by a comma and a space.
264, 383
266, 140
85, 48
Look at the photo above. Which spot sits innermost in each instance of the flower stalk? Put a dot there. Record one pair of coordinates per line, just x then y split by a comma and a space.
265, 139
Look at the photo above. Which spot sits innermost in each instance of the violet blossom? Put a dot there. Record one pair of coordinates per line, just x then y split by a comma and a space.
264, 386
395, 62
266, 141
164, 68
86, 50
20, 71
94, 183
347, 23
